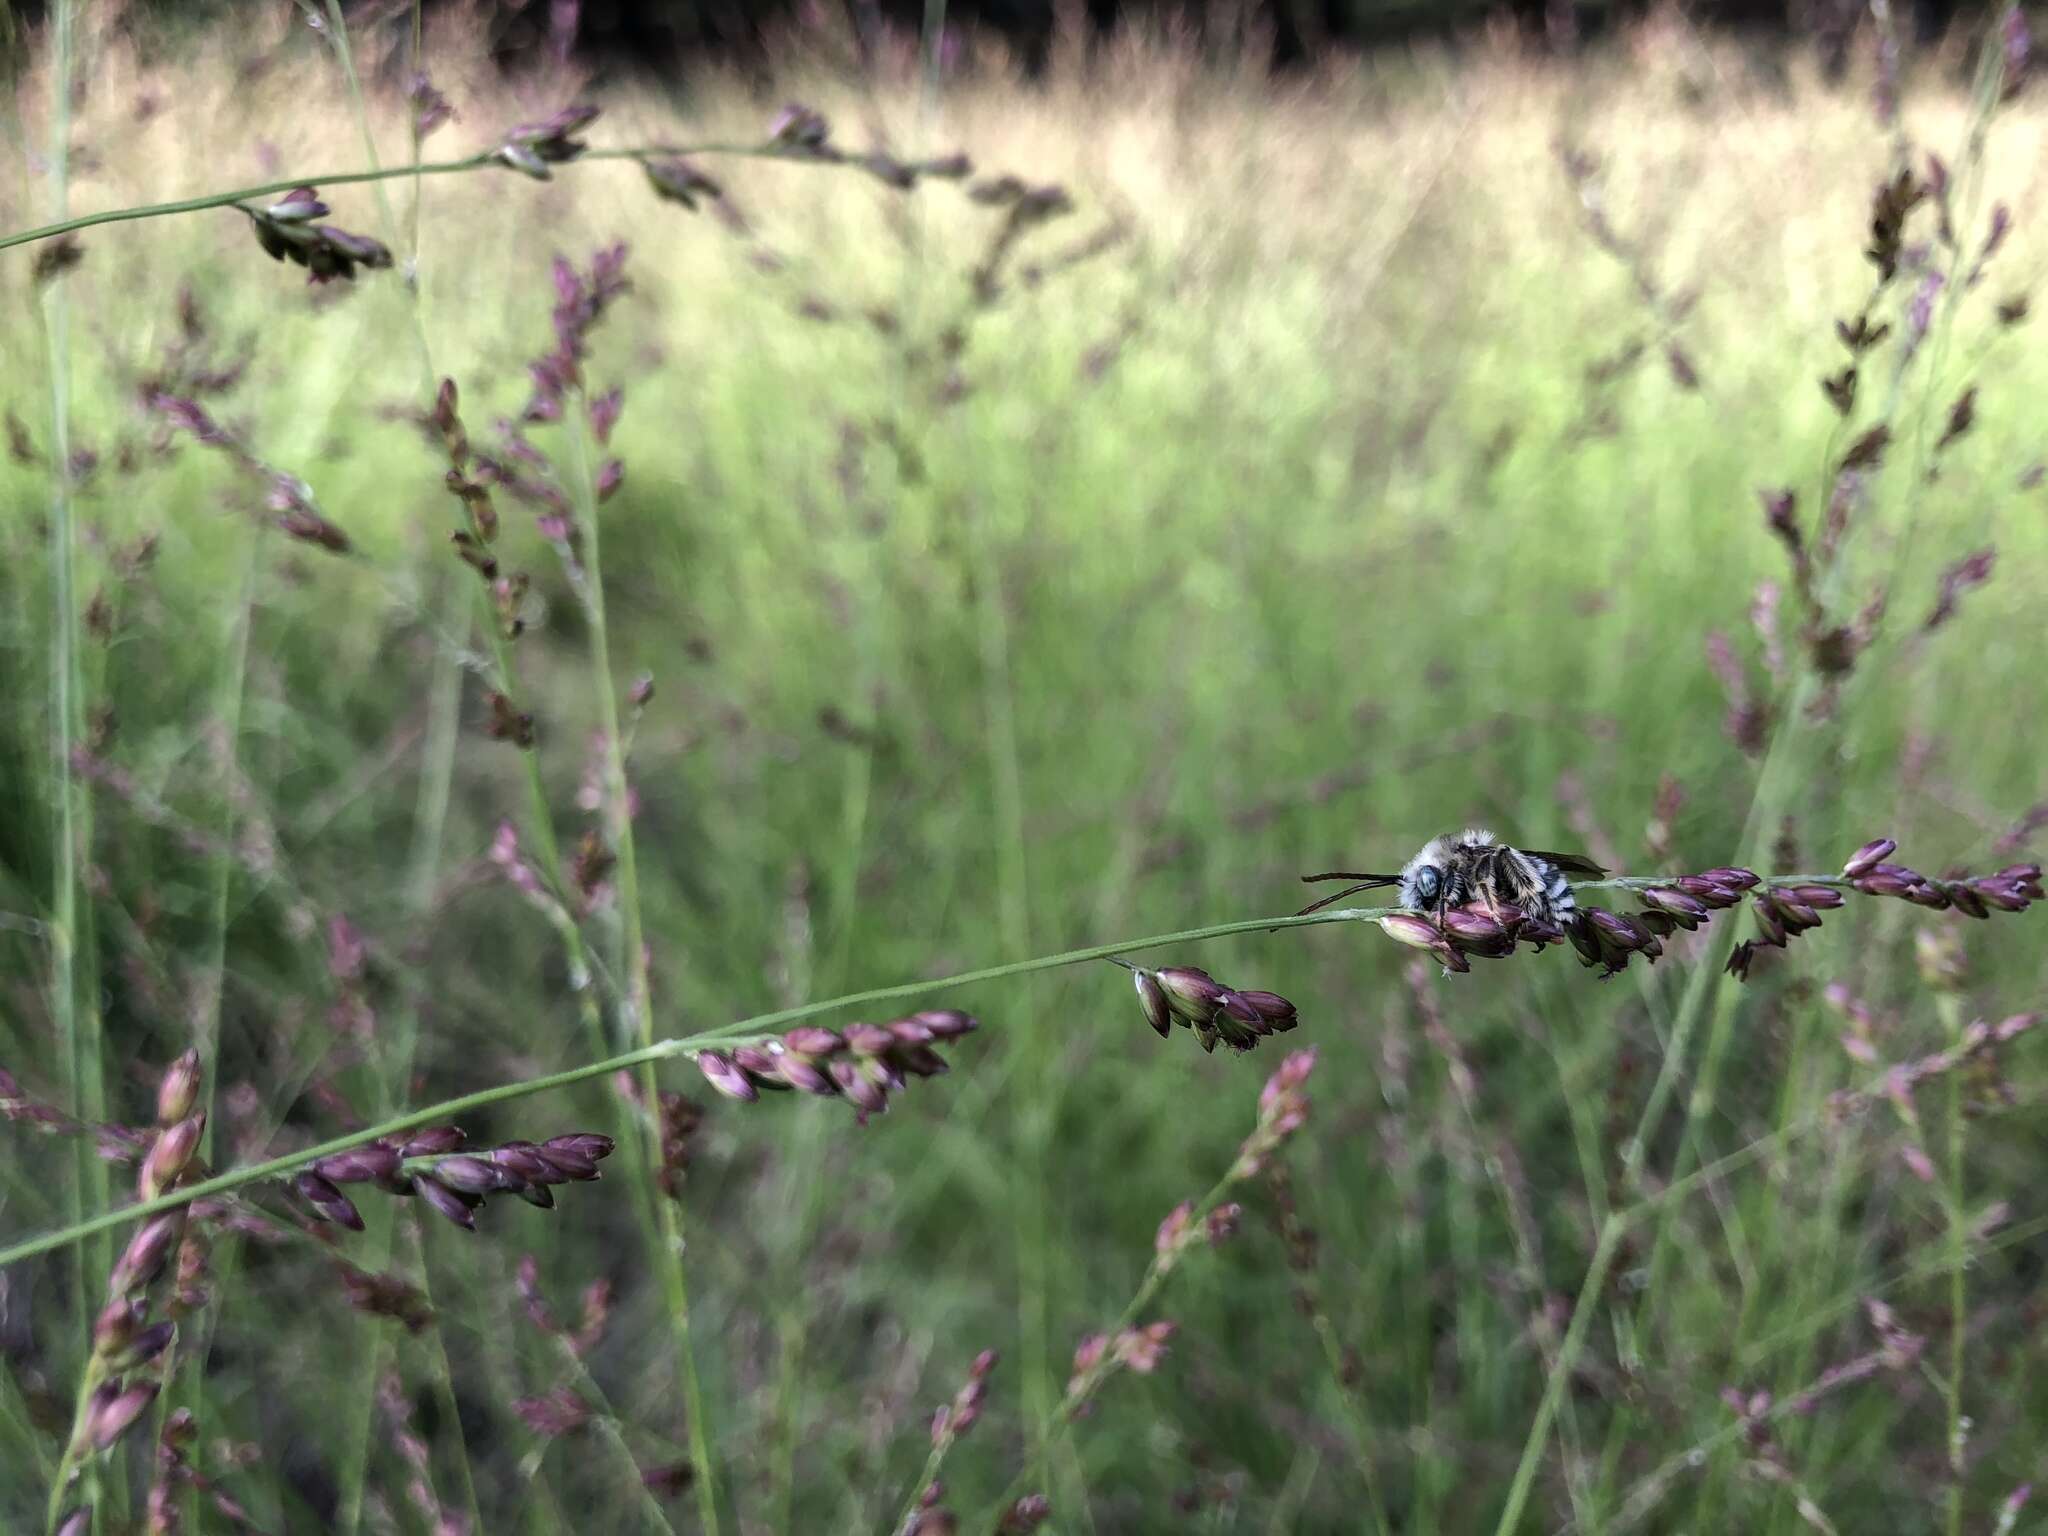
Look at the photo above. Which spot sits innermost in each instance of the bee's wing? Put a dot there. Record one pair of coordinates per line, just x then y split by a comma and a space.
1570, 863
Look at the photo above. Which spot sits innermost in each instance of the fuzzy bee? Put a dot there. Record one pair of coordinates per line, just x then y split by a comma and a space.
1476, 866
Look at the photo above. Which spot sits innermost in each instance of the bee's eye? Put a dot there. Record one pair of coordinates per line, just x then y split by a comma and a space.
1428, 882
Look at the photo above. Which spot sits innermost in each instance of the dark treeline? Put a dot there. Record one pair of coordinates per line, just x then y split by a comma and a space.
664, 34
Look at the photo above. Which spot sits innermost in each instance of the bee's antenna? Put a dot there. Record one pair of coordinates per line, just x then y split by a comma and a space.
1349, 890
1353, 874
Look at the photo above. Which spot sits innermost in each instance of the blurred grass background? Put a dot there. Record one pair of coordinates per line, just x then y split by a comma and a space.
1314, 507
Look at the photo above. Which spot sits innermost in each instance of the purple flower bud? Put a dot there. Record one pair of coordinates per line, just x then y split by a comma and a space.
167, 1158
568, 1160
1710, 893
299, 206
77, 1523
361, 1165
114, 1412
328, 1202
1678, 903
1929, 895
1477, 933
951, 1023
1619, 934
147, 1252
1240, 1009
447, 1202
1869, 856
1277, 1012
1152, 999
469, 1175
522, 1160
920, 1061
433, 1141
1822, 898
804, 1074
1191, 992
728, 1079
762, 1069
610, 478
1735, 879
145, 1346
1416, 932
604, 415
1967, 901
1770, 926
812, 1041
116, 1325
1996, 891
861, 1090
178, 1090
868, 1040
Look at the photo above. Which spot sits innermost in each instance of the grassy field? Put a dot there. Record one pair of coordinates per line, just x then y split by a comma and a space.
1361, 456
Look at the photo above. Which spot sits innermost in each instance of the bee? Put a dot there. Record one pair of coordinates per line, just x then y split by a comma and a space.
1476, 866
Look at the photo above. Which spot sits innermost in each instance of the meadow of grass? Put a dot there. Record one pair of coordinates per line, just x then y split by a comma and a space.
1366, 453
